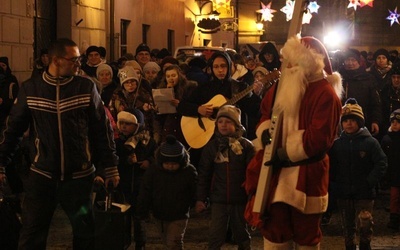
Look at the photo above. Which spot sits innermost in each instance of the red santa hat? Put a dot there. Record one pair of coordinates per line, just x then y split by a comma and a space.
312, 57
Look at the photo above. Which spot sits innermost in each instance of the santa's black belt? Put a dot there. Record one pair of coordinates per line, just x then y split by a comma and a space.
316, 158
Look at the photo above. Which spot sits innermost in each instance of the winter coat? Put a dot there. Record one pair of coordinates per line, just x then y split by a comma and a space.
382, 76
222, 181
129, 171
360, 85
357, 165
169, 195
391, 147
8, 93
390, 99
68, 128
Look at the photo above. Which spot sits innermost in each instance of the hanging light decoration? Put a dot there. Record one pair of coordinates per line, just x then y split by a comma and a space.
369, 3
307, 17
266, 12
288, 9
313, 7
354, 4
225, 4
393, 17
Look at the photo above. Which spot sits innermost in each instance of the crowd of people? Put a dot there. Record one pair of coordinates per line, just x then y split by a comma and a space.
89, 119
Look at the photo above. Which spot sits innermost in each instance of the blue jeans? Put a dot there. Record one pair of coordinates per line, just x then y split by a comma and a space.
41, 199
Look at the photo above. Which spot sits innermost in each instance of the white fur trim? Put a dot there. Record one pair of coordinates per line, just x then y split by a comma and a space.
269, 245
294, 146
261, 127
286, 192
336, 81
307, 59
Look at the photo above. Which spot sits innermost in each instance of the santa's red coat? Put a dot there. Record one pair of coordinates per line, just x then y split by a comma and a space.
304, 187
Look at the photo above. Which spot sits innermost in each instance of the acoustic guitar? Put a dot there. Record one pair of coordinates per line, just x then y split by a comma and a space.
199, 130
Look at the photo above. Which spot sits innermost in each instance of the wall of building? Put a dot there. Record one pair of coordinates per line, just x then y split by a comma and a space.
16, 36
161, 16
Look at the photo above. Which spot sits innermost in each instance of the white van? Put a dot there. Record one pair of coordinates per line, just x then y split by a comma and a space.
185, 52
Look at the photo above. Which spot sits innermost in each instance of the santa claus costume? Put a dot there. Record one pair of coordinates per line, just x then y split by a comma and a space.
309, 96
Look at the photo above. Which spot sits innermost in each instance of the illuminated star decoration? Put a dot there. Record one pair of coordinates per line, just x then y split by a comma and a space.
266, 12
393, 17
354, 4
307, 17
369, 3
313, 7
288, 9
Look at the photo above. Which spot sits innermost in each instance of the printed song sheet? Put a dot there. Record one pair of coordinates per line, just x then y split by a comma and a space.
162, 98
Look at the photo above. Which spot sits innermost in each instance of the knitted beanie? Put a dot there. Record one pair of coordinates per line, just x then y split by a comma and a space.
381, 52
395, 115
351, 109
151, 66
134, 64
171, 150
102, 67
230, 112
134, 116
127, 73
352, 53
142, 47
92, 49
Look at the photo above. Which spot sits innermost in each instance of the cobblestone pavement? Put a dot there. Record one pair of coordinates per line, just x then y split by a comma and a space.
196, 235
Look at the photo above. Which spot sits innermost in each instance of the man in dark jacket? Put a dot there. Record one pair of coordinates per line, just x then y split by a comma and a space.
71, 134
358, 84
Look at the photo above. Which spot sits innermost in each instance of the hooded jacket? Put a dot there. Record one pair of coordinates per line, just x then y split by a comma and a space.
271, 49
357, 163
205, 92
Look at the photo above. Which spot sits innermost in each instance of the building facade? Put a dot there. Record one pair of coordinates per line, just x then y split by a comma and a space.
26, 26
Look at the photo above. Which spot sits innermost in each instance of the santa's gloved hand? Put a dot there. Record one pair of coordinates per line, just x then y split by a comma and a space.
279, 159
266, 138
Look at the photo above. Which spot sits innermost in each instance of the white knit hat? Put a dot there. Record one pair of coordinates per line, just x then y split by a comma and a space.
127, 73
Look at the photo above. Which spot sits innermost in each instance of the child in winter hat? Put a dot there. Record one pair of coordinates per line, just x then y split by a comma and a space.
127, 73
172, 151
225, 158
391, 147
395, 116
234, 114
168, 190
351, 110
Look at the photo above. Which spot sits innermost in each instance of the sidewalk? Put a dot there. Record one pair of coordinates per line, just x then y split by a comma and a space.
196, 235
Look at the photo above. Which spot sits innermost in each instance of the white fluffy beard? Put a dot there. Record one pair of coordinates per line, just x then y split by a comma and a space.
291, 89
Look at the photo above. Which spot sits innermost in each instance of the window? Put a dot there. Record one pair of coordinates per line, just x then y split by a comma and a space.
171, 40
124, 36
145, 32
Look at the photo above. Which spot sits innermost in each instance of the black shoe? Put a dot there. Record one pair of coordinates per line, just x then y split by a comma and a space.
326, 219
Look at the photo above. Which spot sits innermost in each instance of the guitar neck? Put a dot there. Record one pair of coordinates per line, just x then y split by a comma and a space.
268, 84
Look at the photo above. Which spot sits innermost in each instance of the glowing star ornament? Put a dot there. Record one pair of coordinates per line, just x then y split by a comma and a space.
354, 4
393, 17
288, 9
266, 12
369, 3
313, 7
307, 17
